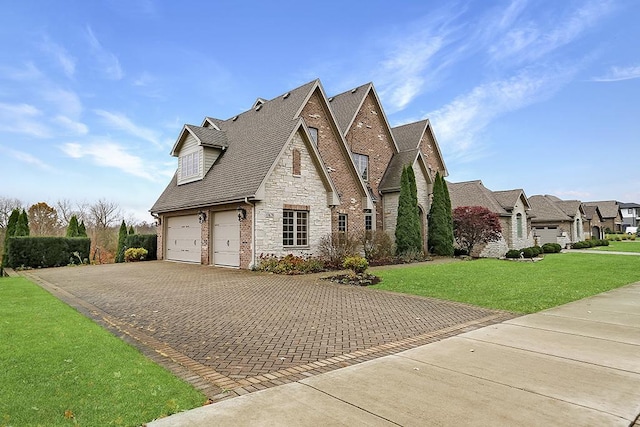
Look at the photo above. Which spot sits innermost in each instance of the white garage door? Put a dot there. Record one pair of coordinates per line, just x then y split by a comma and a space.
546, 235
183, 240
226, 239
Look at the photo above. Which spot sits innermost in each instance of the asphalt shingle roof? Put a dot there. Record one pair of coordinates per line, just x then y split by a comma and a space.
474, 193
608, 208
393, 175
408, 136
546, 209
509, 198
345, 105
254, 139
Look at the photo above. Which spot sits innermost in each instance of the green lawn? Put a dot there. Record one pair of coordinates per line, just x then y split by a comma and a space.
523, 287
60, 368
622, 246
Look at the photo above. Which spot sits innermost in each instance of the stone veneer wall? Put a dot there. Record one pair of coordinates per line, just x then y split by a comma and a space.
334, 158
283, 188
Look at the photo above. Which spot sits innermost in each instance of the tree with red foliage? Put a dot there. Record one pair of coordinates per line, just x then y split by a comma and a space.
473, 225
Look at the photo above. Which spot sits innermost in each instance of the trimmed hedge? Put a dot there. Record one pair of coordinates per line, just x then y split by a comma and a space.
551, 248
146, 241
42, 252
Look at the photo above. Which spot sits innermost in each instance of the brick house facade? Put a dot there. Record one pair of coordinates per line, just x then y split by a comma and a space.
278, 177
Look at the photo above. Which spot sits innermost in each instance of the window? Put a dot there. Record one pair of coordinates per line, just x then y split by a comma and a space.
314, 134
342, 223
362, 164
368, 222
295, 228
630, 211
296, 162
190, 165
519, 225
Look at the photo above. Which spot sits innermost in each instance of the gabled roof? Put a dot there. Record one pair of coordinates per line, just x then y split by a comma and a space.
409, 136
591, 212
255, 139
570, 207
474, 193
608, 208
509, 198
346, 105
206, 137
390, 181
545, 209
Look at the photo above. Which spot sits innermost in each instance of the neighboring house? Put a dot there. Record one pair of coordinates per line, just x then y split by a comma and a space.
611, 215
555, 220
279, 177
630, 214
593, 225
512, 206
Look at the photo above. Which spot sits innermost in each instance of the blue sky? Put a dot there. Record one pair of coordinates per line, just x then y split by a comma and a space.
542, 95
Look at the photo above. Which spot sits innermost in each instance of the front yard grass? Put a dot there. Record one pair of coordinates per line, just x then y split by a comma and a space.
521, 287
622, 246
59, 368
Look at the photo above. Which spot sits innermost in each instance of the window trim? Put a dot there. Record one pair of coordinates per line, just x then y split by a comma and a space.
295, 228
313, 132
363, 169
519, 226
343, 221
368, 221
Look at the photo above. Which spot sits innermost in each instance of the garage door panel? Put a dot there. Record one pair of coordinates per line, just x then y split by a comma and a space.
547, 235
183, 241
226, 239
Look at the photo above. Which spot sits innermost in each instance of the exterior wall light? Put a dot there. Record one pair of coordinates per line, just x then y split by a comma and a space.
202, 217
242, 213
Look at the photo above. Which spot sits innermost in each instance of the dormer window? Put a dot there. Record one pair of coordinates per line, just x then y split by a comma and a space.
190, 165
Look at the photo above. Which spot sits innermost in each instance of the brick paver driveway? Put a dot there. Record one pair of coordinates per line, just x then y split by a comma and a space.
239, 331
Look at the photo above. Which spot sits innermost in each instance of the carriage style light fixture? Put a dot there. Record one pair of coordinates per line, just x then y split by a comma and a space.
202, 217
242, 213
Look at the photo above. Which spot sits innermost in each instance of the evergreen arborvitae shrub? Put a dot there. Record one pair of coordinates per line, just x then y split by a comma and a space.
22, 227
122, 234
408, 230
82, 230
440, 220
42, 252
10, 231
72, 228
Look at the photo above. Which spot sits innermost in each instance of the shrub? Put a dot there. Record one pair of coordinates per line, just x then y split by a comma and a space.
135, 254
147, 241
42, 252
551, 248
537, 250
335, 247
527, 253
357, 264
513, 253
377, 246
289, 264
411, 256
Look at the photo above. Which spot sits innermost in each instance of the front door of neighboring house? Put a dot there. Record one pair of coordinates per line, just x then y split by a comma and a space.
226, 239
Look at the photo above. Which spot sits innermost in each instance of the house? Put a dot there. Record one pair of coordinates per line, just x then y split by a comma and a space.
611, 215
555, 220
593, 222
512, 206
630, 214
282, 175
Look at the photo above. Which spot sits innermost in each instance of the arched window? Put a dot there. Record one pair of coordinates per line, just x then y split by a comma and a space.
519, 225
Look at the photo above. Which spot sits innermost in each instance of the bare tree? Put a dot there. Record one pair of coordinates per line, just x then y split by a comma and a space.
7, 205
66, 210
104, 214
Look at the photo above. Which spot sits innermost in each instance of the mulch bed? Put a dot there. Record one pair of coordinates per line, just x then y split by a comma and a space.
364, 279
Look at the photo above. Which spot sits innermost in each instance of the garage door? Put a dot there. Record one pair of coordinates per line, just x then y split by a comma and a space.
226, 239
546, 235
183, 240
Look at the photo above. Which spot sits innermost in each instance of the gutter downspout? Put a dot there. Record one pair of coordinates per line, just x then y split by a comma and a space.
253, 232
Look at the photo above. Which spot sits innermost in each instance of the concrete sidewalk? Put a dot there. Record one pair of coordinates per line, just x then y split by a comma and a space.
574, 365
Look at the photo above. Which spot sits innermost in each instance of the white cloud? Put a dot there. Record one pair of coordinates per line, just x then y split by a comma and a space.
26, 158
522, 39
460, 122
76, 127
616, 74
22, 119
109, 154
107, 61
26, 73
122, 122
61, 56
